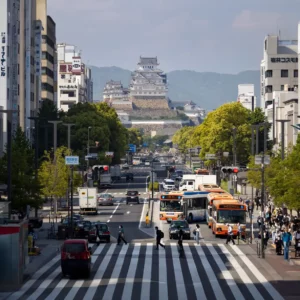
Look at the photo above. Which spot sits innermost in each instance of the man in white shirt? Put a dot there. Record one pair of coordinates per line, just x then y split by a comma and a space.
229, 234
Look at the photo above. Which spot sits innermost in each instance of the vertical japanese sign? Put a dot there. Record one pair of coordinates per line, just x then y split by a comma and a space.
3, 54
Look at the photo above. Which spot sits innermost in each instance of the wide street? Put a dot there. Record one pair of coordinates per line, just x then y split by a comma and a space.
211, 270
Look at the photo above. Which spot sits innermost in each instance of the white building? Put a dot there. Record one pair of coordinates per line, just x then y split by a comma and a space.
279, 69
114, 90
246, 96
20, 47
74, 82
193, 111
284, 107
148, 79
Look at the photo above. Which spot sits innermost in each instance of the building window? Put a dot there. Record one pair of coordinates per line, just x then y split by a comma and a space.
47, 56
47, 87
269, 73
295, 73
282, 87
284, 73
47, 71
31, 78
31, 96
269, 89
265, 45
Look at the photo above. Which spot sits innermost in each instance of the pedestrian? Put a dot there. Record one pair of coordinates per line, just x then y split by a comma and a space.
197, 234
159, 236
286, 239
239, 231
98, 239
229, 234
250, 208
147, 220
121, 235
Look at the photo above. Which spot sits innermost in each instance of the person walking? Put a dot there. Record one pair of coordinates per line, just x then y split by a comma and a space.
229, 234
159, 236
197, 234
286, 239
121, 235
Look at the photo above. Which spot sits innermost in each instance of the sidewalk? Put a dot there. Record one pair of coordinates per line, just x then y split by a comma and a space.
151, 213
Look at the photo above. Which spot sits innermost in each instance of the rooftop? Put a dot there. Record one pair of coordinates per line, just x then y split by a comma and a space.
148, 61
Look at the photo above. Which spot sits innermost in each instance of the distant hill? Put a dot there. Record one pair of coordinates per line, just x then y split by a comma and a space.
207, 89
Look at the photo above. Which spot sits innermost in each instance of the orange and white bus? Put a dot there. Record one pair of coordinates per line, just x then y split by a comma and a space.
170, 206
231, 212
211, 188
210, 200
201, 172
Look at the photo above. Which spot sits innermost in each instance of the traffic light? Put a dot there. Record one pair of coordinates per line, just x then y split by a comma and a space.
230, 170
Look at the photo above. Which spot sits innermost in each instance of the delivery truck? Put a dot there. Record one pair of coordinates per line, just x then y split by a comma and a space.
105, 180
115, 172
190, 182
88, 200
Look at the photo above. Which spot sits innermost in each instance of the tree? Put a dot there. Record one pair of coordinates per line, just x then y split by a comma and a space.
54, 174
135, 137
25, 188
183, 138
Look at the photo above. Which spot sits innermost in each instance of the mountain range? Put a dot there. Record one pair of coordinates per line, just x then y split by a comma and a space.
207, 89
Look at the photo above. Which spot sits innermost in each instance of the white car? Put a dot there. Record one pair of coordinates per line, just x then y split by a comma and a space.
168, 185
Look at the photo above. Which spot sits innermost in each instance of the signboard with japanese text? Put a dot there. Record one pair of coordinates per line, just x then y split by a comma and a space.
284, 60
72, 160
76, 65
69, 86
37, 45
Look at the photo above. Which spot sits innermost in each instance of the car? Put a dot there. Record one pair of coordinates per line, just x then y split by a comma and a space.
168, 185
82, 229
76, 257
129, 176
105, 199
125, 166
176, 225
179, 173
147, 163
132, 196
104, 233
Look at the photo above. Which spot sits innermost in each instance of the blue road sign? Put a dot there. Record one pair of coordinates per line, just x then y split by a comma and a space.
72, 160
132, 147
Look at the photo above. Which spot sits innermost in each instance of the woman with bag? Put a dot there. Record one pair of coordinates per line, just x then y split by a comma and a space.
121, 235
196, 233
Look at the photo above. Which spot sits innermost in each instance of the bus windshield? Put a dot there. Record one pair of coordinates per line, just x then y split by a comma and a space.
170, 205
231, 216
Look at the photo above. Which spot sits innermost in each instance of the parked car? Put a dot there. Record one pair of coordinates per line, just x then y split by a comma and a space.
104, 232
105, 199
176, 225
125, 167
76, 257
132, 196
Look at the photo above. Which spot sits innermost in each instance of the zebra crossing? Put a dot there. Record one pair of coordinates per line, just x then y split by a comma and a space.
139, 271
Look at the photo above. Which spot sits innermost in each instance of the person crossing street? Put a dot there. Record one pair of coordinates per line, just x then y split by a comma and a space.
121, 235
159, 236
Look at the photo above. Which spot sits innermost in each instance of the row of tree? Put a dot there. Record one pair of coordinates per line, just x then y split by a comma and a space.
215, 134
106, 134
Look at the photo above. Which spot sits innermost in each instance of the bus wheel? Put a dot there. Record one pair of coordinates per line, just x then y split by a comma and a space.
190, 218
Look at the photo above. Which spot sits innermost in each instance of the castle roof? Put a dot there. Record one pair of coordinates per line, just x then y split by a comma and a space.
148, 61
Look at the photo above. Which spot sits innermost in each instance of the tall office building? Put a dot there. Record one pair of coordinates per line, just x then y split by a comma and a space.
48, 48
17, 65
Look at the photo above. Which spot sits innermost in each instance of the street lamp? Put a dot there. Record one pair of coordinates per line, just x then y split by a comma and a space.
88, 143
283, 121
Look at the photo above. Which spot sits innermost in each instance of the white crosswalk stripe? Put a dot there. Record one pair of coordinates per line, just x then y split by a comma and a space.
139, 271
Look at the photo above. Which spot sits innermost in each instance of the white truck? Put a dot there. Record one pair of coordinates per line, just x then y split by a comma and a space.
115, 172
105, 180
190, 182
88, 200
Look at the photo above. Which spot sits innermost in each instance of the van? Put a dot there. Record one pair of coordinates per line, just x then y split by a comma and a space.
168, 185
76, 257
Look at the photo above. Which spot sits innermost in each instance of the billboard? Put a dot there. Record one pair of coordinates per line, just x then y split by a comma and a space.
3, 54
76, 65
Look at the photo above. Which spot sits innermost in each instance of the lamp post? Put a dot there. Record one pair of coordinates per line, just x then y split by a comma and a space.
55, 123
87, 162
282, 121
234, 145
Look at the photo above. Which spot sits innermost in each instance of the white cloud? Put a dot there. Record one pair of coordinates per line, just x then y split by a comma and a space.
250, 20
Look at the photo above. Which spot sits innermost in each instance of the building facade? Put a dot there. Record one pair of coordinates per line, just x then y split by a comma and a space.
246, 96
74, 82
148, 79
19, 32
114, 90
48, 51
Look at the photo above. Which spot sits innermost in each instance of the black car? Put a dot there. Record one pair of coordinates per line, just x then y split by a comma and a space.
132, 196
104, 233
129, 177
175, 226
82, 229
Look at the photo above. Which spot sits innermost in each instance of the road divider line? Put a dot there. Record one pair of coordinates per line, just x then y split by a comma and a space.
113, 212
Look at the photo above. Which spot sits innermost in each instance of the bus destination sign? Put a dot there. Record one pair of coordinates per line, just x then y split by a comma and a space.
234, 206
171, 197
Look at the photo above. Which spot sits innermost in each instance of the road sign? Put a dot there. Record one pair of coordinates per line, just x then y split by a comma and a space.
259, 159
132, 147
210, 156
72, 160
111, 154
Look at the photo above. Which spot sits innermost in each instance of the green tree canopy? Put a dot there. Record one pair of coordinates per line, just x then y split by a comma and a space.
25, 188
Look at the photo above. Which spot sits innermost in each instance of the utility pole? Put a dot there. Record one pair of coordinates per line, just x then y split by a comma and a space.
282, 136
55, 133
69, 147
234, 145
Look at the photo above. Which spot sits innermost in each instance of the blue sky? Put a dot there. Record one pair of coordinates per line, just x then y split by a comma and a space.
223, 36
